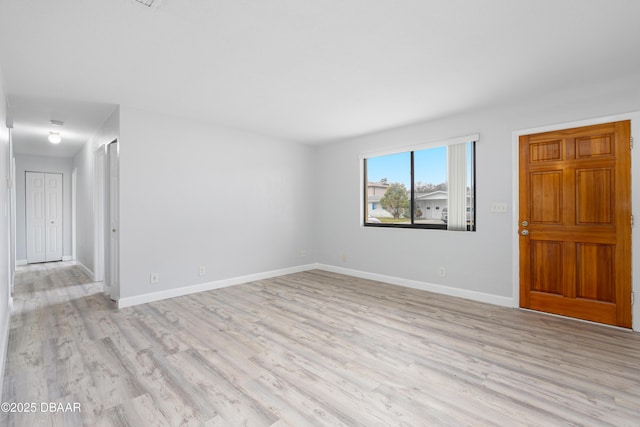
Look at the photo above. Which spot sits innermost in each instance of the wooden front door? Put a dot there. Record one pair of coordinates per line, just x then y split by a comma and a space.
575, 223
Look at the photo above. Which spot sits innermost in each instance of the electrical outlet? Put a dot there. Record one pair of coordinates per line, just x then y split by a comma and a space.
303, 253
441, 272
344, 258
155, 278
201, 271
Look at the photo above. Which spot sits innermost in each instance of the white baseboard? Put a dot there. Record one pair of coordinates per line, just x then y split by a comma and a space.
86, 270
201, 287
5, 322
424, 286
25, 262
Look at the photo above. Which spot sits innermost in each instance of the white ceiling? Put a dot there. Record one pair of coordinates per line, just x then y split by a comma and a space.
311, 70
32, 117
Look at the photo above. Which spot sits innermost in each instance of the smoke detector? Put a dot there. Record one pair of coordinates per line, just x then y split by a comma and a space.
149, 3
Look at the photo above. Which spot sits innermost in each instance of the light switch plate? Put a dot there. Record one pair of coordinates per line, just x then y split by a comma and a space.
498, 207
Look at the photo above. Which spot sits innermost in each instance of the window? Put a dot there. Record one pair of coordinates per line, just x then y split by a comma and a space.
427, 187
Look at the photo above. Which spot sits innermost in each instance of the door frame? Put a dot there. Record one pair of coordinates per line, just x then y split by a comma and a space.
46, 210
111, 217
74, 196
634, 117
105, 266
99, 220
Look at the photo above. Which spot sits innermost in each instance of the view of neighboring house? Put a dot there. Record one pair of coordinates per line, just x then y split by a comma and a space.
375, 191
430, 205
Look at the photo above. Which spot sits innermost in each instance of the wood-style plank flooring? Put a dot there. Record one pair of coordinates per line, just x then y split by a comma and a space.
312, 348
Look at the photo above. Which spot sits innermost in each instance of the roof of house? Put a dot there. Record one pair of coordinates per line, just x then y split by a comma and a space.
435, 195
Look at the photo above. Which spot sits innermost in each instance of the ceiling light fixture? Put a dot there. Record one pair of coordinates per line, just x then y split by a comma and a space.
54, 137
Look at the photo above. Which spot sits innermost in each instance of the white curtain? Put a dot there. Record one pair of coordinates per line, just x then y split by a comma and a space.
457, 186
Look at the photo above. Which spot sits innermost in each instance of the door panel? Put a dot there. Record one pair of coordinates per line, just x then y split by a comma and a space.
575, 212
35, 221
595, 267
547, 257
595, 198
53, 211
546, 197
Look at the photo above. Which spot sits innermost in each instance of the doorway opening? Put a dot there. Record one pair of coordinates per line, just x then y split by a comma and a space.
107, 219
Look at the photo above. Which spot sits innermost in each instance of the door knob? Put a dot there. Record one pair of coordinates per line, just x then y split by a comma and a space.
525, 223
525, 232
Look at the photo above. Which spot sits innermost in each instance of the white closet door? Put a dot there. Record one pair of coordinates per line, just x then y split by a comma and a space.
36, 217
44, 216
53, 209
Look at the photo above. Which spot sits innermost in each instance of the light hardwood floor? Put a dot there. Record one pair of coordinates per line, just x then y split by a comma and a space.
312, 348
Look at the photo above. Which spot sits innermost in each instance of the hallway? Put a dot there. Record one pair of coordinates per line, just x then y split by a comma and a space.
48, 320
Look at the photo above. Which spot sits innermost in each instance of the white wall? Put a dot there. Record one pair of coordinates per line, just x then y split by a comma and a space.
29, 163
5, 308
194, 194
475, 262
84, 163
